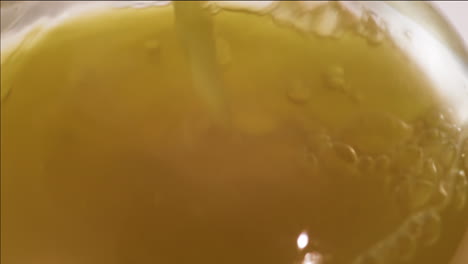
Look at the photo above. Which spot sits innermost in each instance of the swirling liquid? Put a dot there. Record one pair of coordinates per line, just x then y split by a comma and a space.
344, 144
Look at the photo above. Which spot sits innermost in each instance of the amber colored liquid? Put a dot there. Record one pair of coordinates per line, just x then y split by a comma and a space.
109, 154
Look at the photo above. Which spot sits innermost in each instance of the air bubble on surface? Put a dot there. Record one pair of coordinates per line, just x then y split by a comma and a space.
431, 137
372, 28
382, 163
414, 227
366, 164
345, 152
298, 92
421, 193
404, 246
319, 142
431, 228
311, 160
410, 159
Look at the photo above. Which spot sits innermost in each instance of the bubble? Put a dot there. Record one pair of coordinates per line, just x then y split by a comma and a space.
223, 51
319, 142
410, 159
430, 172
212, 7
313, 258
345, 152
311, 161
431, 136
143, 4
334, 78
382, 163
371, 28
421, 193
369, 258
298, 92
403, 246
431, 228
366, 164
447, 154
452, 130
441, 195
402, 195
435, 118
461, 190
388, 133
465, 154
414, 227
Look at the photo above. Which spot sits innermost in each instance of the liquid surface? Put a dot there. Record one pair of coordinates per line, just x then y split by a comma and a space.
336, 150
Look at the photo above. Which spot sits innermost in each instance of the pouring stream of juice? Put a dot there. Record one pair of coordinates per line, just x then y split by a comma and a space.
196, 31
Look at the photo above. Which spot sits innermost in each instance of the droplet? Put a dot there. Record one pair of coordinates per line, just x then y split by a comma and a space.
345, 152
223, 51
298, 92
431, 228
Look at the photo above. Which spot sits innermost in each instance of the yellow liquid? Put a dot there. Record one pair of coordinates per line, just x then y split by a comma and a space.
110, 154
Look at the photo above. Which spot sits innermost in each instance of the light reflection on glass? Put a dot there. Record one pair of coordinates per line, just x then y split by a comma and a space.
302, 240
